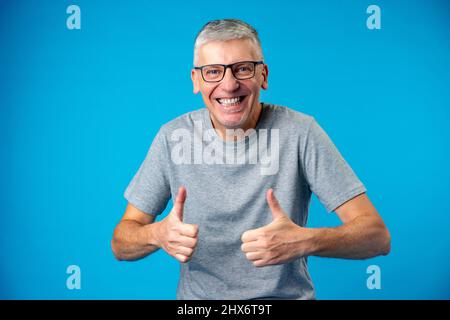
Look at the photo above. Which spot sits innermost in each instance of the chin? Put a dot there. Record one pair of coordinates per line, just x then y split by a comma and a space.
232, 121
233, 116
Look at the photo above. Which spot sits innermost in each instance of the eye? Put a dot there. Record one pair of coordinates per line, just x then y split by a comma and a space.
213, 72
243, 69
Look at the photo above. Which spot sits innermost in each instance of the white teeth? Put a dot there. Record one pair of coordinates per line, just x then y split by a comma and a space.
229, 101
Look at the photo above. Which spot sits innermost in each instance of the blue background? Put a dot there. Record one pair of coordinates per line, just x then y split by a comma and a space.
79, 109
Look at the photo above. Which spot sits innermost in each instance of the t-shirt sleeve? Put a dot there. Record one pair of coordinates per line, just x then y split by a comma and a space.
149, 190
329, 176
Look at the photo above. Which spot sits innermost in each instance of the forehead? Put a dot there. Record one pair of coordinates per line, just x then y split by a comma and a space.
226, 52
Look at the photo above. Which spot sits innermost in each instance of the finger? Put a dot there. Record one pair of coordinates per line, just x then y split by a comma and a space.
251, 246
254, 256
259, 263
274, 205
187, 242
188, 230
182, 258
185, 251
250, 235
178, 206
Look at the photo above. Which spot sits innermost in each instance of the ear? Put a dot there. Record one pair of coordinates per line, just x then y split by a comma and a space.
195, 81
265, 74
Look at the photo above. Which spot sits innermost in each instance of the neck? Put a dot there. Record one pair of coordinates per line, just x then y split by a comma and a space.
250, 124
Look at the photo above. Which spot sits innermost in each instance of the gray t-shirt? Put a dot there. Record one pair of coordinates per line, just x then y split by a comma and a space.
226, 196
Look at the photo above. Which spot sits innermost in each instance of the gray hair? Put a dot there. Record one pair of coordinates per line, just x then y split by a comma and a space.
224, 30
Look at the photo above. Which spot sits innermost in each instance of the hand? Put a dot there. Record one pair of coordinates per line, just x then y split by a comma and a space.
177, 238
278, 242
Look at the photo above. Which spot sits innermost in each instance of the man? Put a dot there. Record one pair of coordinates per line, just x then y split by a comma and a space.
238, 220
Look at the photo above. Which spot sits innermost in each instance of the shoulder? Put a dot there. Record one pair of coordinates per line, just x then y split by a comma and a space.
288, 118
184, 121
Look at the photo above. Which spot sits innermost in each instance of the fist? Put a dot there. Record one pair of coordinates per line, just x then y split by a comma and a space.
177, 238
275, 243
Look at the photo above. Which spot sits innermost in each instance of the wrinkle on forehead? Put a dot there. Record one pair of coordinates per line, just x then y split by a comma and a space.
227, 52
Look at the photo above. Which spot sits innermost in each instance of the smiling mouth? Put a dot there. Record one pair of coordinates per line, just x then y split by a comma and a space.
230, 102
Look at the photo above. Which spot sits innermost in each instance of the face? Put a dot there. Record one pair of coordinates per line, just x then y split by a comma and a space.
232, 103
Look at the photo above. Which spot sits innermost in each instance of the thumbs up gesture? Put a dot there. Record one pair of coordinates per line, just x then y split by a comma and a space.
278, 242
177, 238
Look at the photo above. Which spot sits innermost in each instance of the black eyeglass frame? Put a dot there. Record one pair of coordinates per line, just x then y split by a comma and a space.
226, 66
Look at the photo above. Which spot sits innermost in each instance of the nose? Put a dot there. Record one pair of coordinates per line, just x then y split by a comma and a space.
229, 82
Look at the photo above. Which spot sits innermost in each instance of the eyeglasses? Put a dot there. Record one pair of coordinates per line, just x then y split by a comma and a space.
240, 70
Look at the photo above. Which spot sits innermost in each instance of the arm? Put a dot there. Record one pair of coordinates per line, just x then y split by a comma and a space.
363, 235
137, 235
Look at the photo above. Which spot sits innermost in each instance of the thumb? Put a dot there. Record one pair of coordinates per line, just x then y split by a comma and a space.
274, 205
178, 206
